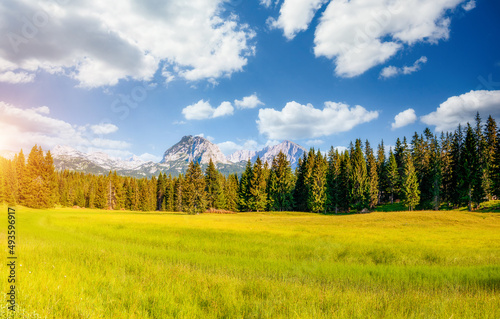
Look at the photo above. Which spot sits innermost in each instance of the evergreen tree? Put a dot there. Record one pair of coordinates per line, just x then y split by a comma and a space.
446, 168
359, 178
302, 186
258, 199
169, 194
10, 183
345, 182
244, 194
435, 173
21, 185
458, 190
490, 142
392, 177
178, 193
472, 173
231, 192
280, 184
160, 193
193, 192
373, 182
317, 185
100, 199
220, 196
410, 189
333, 192
381, 170
212, 184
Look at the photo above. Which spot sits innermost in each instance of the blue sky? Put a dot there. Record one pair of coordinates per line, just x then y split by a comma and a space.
134, 78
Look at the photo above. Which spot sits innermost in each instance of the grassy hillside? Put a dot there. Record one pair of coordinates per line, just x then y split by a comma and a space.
81, 263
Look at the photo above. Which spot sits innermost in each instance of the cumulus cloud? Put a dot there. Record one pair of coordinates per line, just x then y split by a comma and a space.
404, 118
392, 71
297, 121
358, 34
314, 142
248, 102
469, 5
463, 108
104, 43
104, 128
203, 110
295, 16
23, 128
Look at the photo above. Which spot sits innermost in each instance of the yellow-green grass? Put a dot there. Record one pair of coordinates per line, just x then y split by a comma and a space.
82, 263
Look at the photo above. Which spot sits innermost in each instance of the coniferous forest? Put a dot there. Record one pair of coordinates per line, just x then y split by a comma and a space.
455, 169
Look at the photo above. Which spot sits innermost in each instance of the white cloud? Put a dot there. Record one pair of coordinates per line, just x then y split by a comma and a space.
463, 108
469, 5
23, 128
230, 147
341, 149
105, 43
203, 110
296, 121
266, 3
104, 128
404, 118
42, 109
16, 77
150, 157
314, 142
295, 16
248, 102
392, 71
360, 34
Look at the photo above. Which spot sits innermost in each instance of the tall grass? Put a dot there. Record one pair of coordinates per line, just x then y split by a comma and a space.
100, 264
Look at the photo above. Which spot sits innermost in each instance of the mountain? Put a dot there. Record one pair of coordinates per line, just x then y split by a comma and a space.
194, 149
292, 150
175, 160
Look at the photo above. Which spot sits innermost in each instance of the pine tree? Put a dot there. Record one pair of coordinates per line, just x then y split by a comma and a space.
280, 186
302, 186
244, 194
10, 183
410, 189
169, 194
392, 177
490, 142
212, 185
178, 193
359, 178
457, 181
220, 196
258, 199
21, 178
333, 197
193, 192
316, 201
345, 182
231, 191
100, 199
472, 173
446, 168
160, 193
381, 170
435, 173
373, 182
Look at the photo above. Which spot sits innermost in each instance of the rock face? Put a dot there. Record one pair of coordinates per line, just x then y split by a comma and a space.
290, 149
194, 149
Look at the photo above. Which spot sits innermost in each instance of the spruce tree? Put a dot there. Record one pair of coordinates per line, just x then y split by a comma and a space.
193, 192
345, 182
381, 170
280, 188
373, 181
258, 198
458, 189
490, 142
212, 184
244, 188
392, 177
410, 189
21, 178
435, 173
333, 192
359, 178
178, 193
231, 192
316, 201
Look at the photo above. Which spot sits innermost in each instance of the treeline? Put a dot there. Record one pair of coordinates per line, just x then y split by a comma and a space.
429, 172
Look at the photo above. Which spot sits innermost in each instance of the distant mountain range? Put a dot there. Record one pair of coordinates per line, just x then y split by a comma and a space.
175, 160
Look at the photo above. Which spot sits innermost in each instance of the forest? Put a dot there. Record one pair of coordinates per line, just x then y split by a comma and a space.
455, 169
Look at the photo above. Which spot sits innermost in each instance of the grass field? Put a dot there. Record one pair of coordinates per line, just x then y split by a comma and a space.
81, 263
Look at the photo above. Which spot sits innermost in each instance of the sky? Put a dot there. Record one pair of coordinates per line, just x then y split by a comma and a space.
133, 77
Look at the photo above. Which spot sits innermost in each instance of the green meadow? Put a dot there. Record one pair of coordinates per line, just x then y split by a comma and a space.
82, 263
